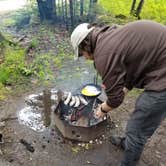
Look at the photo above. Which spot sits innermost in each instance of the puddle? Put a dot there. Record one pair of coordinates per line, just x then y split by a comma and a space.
32, 118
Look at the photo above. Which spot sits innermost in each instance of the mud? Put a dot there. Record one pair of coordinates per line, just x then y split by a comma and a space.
52, 149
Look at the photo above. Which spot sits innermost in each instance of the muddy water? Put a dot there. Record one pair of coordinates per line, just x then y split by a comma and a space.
71, 77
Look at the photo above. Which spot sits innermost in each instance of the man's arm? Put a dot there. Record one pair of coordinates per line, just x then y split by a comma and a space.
104, 108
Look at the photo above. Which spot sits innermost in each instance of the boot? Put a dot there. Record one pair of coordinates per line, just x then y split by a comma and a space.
118, 141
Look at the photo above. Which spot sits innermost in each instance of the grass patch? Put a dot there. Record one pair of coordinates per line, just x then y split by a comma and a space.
135, 92
34, 43
13, 62
152, 9
2, 92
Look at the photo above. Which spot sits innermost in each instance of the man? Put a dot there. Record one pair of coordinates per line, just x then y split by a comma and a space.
133, 55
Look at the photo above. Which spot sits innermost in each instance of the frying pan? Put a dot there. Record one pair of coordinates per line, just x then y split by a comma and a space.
91, 90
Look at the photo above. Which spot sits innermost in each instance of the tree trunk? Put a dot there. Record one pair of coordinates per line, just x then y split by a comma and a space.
40, 8
55, 8
138, 10
132, 7
71, 13
90, 7
81, 7
59, 8
63, 10
74, 8
66, 15
46, 9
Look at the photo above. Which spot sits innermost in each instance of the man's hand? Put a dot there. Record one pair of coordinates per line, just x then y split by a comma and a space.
102, 110
99, 114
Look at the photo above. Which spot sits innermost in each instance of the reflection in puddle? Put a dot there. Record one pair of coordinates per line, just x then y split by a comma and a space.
32, 118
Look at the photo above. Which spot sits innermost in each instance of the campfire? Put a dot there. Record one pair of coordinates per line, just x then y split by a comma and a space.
83, 115
78, 122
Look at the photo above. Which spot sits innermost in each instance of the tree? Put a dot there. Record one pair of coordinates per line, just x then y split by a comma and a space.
81, 7
46, 9
71, 13
132, 7
67, 12
136, 11
139, 8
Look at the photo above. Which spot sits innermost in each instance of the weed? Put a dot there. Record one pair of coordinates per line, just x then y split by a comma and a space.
34, 43
2, 91
10, 69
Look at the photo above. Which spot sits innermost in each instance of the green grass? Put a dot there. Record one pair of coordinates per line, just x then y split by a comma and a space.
10, 69
34, 43
152, 9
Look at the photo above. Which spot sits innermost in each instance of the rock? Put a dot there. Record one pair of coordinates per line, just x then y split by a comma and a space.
91, 141
2, 124
87, 146
1, 153
1, 139
83, 145
162, 164
79, 144
100, 142
103, 136
27, 145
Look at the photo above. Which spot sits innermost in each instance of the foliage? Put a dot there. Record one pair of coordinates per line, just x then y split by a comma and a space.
155, 10
64, 53
116, 6
14, 68
34, 43
10, 69
2, 91
152, 9
41, 66
9, 21
135, 92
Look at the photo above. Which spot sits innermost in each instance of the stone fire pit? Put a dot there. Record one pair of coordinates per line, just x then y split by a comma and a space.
84, 126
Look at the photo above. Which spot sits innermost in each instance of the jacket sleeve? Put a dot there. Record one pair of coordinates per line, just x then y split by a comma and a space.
113, 80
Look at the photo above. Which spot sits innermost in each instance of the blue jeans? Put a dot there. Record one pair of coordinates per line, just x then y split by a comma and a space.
150, 110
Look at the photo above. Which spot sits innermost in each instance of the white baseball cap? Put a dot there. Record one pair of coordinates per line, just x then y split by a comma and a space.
78, 35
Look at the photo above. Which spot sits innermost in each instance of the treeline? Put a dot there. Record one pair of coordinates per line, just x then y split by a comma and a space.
67, 12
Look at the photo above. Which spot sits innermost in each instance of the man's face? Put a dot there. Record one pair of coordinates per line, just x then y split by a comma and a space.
87, 55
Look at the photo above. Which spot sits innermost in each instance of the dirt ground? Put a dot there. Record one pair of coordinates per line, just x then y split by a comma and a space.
52, 149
